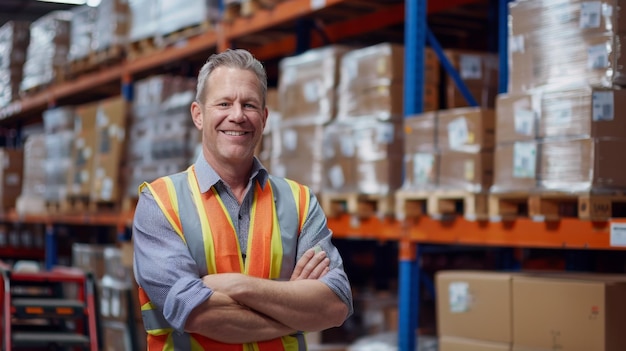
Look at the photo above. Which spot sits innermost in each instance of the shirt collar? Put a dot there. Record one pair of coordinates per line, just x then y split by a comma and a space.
207, 177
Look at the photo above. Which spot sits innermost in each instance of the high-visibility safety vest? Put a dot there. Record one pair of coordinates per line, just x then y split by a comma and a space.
279, 208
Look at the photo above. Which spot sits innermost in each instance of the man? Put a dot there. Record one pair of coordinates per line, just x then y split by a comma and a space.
226, 256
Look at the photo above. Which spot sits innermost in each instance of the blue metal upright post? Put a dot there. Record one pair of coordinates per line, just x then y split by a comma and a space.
51, 247
503, 45
414, 47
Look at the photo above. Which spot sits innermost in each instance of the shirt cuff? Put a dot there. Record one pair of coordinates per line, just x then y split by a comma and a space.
185, 295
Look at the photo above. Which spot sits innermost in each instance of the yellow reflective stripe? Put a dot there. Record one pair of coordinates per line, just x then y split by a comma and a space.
290, 343
157, 332
209, 249
298, 197
147, 306
277, 243
174, 200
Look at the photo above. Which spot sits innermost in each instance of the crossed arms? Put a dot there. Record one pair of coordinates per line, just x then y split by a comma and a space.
248, 309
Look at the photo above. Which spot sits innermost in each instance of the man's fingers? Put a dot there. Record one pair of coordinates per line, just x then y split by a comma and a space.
310, 267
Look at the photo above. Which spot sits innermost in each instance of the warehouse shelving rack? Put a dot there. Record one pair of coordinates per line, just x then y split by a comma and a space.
290, 26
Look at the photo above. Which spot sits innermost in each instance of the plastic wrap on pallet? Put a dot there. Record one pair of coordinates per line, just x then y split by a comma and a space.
515, 167
297, 154
112, 24
517, 117
47, 51
307, 84
34, 177
479, 72
14, 39
588, 35
144, 19
582, 164
82, 29
380, 98
175, 15
364, 156
467, 171
468, 129
582, 111
421, 158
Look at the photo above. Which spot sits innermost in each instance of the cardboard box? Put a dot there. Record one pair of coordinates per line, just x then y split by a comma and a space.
12, 161
80, 176
517, 117
467, 129
447, 343
515, 166
307, 84
587, 111
109, 154
479, 72
573, 314
582, 164
339, 157
420, 132
381, 99
469, 171
475, 305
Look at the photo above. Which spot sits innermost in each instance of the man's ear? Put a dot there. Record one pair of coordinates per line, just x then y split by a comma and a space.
265, 114
196, 114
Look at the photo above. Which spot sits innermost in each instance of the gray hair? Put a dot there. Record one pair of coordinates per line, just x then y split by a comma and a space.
232, 58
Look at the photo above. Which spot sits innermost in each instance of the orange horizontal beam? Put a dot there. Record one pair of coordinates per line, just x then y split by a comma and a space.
349, 227
265, 18
568, 233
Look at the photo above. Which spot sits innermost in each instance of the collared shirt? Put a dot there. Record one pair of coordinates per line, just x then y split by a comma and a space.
166, 271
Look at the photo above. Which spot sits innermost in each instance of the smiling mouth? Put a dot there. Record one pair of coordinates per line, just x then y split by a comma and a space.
233, 133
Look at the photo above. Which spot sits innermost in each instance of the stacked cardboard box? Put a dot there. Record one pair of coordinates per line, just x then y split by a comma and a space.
162, 138
112, 24
33, 190
558, 126
47, 51
82, 29
14, 39
421, 156
530, 311
364, 146
59, 134
479, 71
307, 89
80, 175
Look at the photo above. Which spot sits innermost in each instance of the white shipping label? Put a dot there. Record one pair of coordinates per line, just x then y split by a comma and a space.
335, 174
347, 147
562, 112
423, 168
471, 67
598, 56
458, 133
101, 118
106, 192
590, 14
116, 308
290, 139
524, 121
384, 133
524, 160
603, 106
618, 234
311, 91
459, 297
516, 43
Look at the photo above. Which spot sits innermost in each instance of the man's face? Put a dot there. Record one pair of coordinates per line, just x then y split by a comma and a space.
232, 118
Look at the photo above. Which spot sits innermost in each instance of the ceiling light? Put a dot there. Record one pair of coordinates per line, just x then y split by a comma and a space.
69, 2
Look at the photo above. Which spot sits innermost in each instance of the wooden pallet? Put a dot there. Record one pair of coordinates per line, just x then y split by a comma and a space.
359, 205
180, 35
96, 60
555, 205
141, 47
231, 12
441, 204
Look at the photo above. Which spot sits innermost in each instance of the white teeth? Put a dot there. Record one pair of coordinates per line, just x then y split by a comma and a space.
234, 133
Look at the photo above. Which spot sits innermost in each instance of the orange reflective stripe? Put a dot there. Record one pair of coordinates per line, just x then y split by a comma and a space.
303, 207
259, 251
143, 297
157, 342
208, 344
227, 252
162, 195
271, 345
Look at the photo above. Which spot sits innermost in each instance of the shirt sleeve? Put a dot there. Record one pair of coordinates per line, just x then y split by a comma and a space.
315, 231
163, 266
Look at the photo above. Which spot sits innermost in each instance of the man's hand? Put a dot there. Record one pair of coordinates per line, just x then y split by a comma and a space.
312, 265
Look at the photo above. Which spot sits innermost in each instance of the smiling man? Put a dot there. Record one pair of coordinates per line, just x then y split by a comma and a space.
228, 257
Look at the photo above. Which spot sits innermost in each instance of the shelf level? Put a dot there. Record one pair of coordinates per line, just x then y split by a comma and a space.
568, 233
